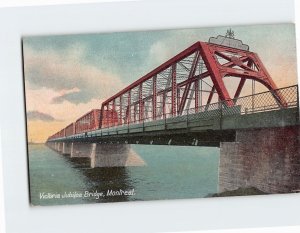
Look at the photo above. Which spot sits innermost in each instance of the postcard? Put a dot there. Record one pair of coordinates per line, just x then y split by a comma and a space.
158, 115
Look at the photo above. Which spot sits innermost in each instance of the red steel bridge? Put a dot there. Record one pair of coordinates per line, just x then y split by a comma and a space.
194, 98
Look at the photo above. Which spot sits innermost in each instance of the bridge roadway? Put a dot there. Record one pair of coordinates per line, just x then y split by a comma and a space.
206, 128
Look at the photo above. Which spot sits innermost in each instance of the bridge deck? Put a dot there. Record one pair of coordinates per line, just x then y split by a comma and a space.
208, 125
203, 128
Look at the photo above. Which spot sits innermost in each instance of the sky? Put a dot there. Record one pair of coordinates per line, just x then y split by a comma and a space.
67, 75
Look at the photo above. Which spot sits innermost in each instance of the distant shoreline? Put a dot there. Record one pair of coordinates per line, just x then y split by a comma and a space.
35, 143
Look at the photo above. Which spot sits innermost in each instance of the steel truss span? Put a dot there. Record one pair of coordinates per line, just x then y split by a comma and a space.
188, 83
188, 80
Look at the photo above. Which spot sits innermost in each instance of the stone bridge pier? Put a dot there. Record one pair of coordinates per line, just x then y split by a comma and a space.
54, 146
114, 155
100, 155
267, 158
66, 148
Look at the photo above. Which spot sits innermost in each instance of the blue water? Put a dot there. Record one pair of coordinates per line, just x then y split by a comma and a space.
172, 172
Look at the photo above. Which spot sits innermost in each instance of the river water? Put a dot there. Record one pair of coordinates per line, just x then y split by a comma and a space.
172, 172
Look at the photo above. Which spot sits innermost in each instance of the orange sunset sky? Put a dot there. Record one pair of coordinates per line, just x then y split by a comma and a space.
67, 75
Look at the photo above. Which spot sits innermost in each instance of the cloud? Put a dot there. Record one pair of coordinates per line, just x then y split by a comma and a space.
36, 115
67, 69
76, 98
160, 52
41, 100
279, 57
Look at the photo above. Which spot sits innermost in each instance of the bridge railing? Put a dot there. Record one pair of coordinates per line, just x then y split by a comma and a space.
265, 101
260, 102
211, 115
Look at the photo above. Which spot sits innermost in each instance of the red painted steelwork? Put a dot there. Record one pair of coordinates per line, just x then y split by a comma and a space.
70, 129
168, 90
109, 118
62, 133
88, 122
162, 67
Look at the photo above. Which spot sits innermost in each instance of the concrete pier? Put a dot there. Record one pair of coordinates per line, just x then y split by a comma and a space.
100, 155
81, 149
59, 147
268, 159
115, 155
55, 146
67, 148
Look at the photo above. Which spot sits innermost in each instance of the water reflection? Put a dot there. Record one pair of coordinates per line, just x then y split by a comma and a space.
171, 172
109, 180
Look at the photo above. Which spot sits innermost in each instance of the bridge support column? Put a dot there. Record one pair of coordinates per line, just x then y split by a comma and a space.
114, 155
267, 159
81, 149
52, 145
59, 147
106, 155
55, 145
66, 148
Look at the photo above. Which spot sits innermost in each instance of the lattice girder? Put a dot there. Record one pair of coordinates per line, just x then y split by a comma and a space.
238, 58
170, 89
